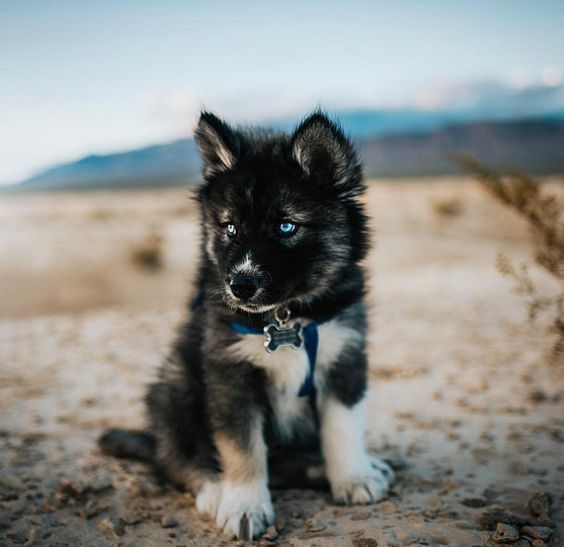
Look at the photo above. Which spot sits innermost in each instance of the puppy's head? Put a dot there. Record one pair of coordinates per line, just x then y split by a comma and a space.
281, 216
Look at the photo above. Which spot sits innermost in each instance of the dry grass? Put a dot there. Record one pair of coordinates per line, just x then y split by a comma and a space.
448, 206
544, 213
148, 253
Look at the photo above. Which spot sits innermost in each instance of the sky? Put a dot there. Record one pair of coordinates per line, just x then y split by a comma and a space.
81, 77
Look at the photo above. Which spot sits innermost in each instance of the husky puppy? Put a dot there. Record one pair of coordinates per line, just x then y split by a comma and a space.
270, 369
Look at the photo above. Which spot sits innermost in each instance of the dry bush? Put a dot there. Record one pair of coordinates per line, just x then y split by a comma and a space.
99, 214
148, 253
544, 213
448, 206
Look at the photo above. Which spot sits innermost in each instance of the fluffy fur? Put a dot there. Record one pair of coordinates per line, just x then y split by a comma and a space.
224, 415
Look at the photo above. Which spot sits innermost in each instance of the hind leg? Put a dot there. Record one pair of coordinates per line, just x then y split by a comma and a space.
184, 450
297, 466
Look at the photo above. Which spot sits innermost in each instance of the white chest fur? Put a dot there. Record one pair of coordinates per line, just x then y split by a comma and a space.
287, 370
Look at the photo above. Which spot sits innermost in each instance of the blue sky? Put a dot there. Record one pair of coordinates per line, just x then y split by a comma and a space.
80, 77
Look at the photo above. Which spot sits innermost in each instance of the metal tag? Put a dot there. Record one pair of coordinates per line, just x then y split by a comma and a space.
280, 336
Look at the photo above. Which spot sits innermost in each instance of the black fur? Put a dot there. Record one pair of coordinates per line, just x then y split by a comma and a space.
255, 180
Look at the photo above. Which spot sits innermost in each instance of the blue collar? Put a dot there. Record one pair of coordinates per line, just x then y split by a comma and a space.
311, 343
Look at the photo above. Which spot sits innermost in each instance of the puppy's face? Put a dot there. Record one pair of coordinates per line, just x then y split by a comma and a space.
281, 220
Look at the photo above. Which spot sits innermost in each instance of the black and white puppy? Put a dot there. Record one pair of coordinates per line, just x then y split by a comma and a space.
235, 407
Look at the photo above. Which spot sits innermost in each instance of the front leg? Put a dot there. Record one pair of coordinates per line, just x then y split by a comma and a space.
245, 508
355, 476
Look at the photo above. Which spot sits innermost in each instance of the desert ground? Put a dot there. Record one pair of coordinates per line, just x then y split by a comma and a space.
463, 399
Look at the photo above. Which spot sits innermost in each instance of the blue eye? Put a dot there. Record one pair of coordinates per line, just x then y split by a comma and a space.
231, 230
287, 228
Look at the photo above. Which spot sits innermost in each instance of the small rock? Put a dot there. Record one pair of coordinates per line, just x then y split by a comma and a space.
314, 525
540, 504
11, 482
280, 524
475, 503
538, 543
538, 396
131, 518
505, 533
490, 494
100, 485
92, 509
361, 516
168, 521
364, 542
114, 526
67, 489
271, 533
489, 519
387, 507
537, 532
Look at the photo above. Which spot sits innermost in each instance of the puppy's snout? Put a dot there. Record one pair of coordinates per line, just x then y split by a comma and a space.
244, 286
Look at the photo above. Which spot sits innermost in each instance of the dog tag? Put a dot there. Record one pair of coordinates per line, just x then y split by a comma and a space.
279, 336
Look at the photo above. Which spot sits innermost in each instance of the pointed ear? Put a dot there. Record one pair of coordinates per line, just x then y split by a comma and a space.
324, 152
219, 144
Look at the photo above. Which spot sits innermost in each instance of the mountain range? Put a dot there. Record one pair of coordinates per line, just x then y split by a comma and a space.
391, 144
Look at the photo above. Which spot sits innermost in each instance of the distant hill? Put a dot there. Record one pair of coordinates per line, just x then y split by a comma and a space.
173, 163
535, 146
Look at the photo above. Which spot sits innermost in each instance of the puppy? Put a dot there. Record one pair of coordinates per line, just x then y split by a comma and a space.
268, 376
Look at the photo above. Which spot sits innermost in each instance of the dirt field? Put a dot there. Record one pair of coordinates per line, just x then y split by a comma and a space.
463, 400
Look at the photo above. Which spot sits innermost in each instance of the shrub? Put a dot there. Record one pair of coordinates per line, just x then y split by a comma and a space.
544, 213
148, 253
448, 206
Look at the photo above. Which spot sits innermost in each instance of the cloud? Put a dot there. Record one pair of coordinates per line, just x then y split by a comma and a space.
179, 109
499, 98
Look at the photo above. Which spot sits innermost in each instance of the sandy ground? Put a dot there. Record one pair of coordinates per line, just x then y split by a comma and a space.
463, 400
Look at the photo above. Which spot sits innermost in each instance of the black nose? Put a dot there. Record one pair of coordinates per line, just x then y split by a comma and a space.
244, 286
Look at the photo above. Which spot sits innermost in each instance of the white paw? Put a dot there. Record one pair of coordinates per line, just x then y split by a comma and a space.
363, 487
245, 510
208, 498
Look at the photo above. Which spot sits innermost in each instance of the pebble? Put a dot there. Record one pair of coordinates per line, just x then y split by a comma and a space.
505, 533
113, 526
361, 516
364, 542
475, 503
539, 507
131, 518
11, 482
168, 521
271, 533
489, 519
537, 532
92, 509
71, 489
387, 507
540, 504
314, 525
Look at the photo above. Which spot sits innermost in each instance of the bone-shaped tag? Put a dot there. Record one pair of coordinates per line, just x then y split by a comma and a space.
279, 336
